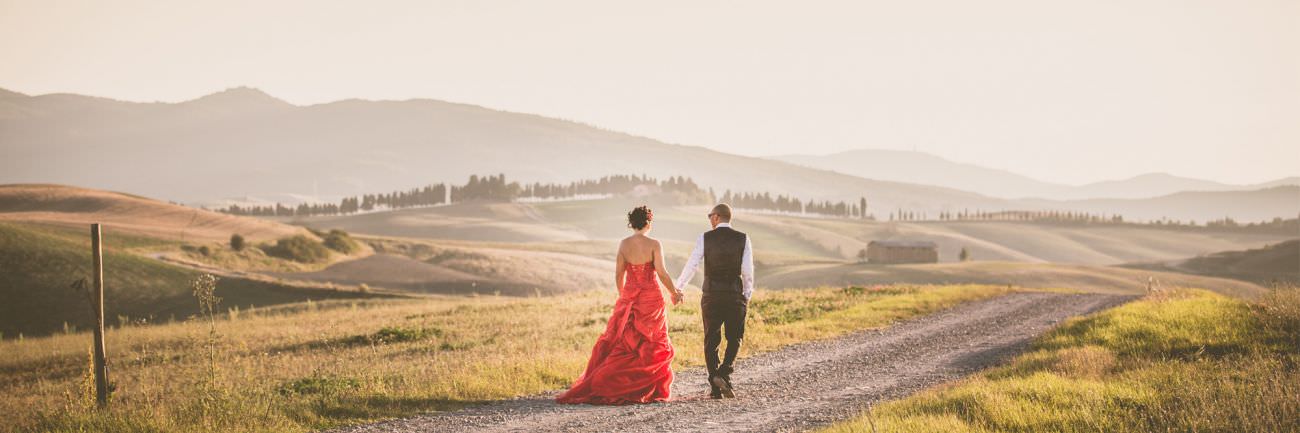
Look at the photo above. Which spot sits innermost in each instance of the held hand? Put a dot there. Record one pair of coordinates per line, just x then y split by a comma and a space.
677, 297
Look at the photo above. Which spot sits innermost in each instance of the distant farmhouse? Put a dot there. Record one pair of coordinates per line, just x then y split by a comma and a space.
895, 252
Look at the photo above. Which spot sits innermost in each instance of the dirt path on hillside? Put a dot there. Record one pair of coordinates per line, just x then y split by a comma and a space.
802, 386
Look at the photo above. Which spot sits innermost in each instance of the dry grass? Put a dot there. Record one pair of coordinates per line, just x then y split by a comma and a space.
1098, 279
807, 237
78, 207
1179, 361
317, 365
38, 263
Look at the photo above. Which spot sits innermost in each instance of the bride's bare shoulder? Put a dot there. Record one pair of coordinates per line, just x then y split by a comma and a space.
626, 242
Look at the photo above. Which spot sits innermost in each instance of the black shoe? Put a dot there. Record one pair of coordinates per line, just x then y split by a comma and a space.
723, 386
725, 371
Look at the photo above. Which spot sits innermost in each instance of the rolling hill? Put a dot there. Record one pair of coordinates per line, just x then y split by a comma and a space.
469, 268
1270, 264
526, 249
79, 207
243, 143
40, 262
1257, 205
799, 238
926, 169
1038, 275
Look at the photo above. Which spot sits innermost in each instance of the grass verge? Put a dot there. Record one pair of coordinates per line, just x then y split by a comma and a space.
1177, 361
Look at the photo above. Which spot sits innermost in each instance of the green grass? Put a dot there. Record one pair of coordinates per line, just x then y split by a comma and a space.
39, 263
1180, 361
333, 363
339, 240
298, 248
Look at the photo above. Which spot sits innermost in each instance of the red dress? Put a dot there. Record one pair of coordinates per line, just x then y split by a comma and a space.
632, 360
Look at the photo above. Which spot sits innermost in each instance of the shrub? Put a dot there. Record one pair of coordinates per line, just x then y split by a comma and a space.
236, 242
339, 240
205, 250
393, 334
401, 335
299, 248
318, 385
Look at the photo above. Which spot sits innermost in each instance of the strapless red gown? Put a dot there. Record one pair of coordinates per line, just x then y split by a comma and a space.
632, 360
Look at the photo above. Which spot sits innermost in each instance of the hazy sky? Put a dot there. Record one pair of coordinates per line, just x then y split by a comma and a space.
1063, 91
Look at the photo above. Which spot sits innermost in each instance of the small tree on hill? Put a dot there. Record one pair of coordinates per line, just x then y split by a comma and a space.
339, 240
862, 255
964, 255
236, 242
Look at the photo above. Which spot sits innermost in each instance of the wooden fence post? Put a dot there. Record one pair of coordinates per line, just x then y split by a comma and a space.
101, 363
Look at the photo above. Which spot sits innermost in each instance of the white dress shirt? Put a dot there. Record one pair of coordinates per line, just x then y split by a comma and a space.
697, 257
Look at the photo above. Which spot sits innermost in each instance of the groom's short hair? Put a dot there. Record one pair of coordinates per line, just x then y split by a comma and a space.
723, 211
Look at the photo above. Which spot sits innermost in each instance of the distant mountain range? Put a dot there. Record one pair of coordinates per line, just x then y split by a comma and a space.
243, 143
927, 169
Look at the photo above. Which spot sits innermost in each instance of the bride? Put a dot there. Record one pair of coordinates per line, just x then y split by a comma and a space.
632, 360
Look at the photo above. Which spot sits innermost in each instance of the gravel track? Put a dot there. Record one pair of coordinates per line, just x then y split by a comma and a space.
802, 386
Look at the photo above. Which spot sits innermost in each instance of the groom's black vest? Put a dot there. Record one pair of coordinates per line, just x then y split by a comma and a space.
724, 248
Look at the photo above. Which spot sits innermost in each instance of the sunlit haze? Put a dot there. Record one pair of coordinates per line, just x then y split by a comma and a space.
1062, 91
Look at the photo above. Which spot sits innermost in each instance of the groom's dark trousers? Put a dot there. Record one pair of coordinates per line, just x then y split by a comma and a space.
723, 305
720, 314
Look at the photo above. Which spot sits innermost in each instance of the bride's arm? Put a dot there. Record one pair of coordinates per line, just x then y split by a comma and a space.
619, 266
660, 269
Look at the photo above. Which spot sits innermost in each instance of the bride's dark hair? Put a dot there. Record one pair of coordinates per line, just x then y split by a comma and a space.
639, 217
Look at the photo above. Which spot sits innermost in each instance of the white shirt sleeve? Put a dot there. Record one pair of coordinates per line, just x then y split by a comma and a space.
692, 264
747, 269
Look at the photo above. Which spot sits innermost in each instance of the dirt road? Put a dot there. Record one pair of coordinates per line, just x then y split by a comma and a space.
802, 386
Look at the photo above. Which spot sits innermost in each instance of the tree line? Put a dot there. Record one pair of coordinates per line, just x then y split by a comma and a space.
783, 203
684, 190
608, 185
677, 189
1276, 225
1012, 215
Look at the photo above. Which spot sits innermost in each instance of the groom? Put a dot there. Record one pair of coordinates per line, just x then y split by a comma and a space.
728, 283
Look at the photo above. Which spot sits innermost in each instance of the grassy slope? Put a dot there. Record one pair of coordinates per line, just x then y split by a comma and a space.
1040, 275
1276, 263
1187, 361
78, 207
794, 252
469, 268
472, 221
40, 262
1030, 242
813, 238
322, 366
